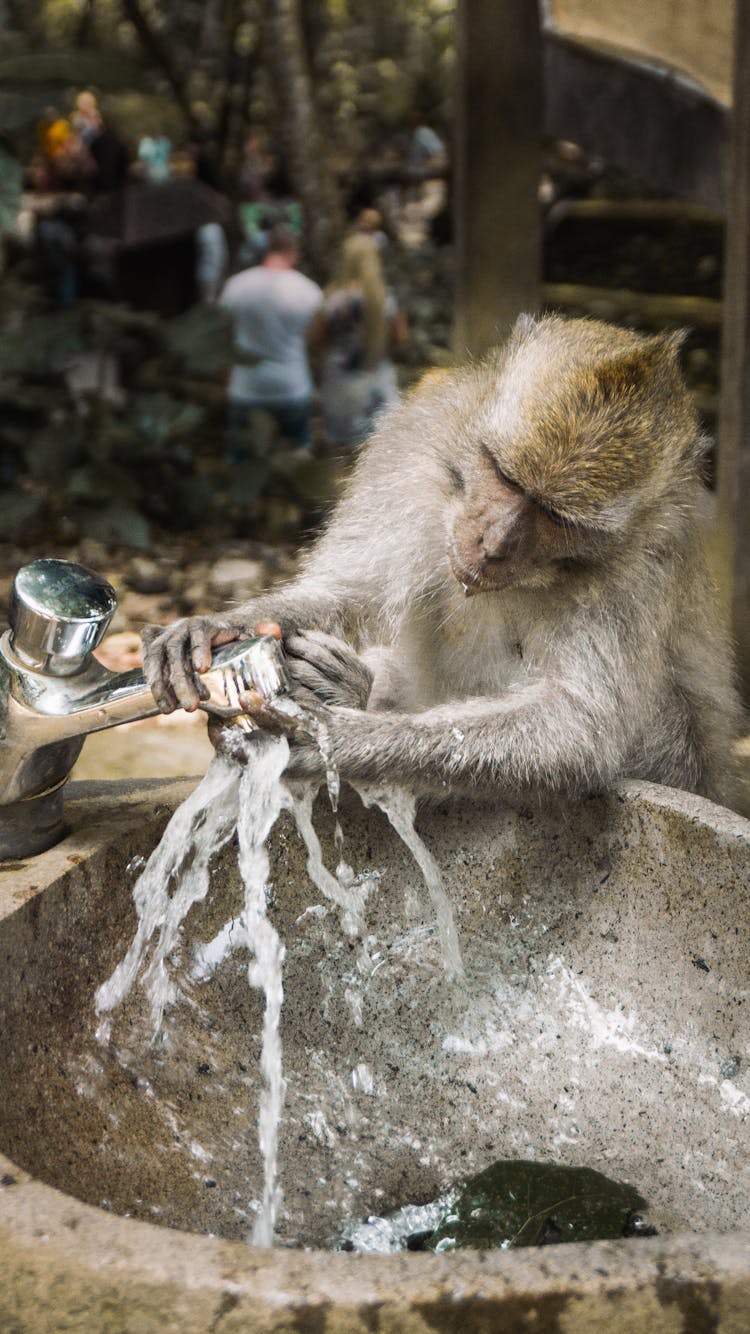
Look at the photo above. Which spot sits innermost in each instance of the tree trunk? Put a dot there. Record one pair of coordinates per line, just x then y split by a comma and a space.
85, 26
313, 181
498, 164
210, 39
158, 52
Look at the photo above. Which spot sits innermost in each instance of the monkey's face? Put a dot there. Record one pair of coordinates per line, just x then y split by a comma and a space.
500, 537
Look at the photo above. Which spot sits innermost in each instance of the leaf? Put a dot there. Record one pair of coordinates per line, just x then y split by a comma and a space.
43, 345
515, 1203
116, 523
53, 451
200, 342
17, 511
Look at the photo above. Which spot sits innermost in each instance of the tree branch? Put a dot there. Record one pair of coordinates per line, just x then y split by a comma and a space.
158, 52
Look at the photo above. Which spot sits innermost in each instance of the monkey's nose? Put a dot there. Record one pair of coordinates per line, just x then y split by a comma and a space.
498, 544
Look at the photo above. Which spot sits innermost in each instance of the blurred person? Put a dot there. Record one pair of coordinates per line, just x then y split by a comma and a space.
424, 193
154, 157
212, 258
424, 147
54, 214
369, 221
272, 305
62, 161
87, 118
351, 339
52, 132
111, 159
254, 169
104, 147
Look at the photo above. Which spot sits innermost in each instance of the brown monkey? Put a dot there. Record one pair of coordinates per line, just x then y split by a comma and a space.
511, 595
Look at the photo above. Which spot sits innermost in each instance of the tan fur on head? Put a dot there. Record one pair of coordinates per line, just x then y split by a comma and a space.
595, 417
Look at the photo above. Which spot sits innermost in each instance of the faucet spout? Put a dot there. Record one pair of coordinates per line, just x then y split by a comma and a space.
53, 693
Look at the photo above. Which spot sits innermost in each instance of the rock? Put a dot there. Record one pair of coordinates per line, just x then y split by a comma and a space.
121, 652
235, 580
193, 599
19, 512
139, 609
94, 555
117, 523
146, 576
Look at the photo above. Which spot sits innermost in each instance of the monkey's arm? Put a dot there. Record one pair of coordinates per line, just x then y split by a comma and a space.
548, 736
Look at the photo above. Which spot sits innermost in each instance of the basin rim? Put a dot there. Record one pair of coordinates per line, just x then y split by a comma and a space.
57, 1252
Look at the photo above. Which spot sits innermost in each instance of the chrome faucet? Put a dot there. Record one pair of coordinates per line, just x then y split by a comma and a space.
53, 693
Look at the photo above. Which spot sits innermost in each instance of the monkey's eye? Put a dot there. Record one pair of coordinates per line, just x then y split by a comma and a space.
553, 516
501, 476
457, 478
559, 519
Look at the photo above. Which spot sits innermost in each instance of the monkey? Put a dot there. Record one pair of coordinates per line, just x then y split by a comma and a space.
511, 597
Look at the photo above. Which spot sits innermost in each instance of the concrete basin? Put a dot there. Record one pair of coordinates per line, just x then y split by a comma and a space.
602, 1022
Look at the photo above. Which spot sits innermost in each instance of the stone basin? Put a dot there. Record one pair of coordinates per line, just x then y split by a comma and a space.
602, 1022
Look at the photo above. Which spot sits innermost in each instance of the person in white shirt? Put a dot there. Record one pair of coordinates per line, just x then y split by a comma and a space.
272, 305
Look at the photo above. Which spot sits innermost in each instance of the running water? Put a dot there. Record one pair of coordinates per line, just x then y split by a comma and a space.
250, 800
400, 806
249, 797
262, 799
176, 875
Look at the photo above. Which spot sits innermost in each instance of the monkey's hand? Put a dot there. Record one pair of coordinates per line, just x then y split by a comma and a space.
304, 729
326, 669
175, 655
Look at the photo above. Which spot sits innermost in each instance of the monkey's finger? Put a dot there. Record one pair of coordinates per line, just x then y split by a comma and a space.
181, 674
274, 718
271, 628
318, 647
206, 636
154, 638
326, 664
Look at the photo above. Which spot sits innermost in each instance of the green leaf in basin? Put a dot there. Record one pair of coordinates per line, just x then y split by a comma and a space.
518, 1203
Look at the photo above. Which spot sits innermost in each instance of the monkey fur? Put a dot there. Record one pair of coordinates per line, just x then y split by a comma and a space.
511, 596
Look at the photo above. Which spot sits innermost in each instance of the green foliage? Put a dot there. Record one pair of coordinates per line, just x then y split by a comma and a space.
370, 64
518, 1203
199, 342
112, 467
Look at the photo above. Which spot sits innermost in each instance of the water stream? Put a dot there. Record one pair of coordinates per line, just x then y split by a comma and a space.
247, 798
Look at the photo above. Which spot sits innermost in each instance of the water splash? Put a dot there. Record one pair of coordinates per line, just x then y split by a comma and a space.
176, 875
243, 791
262, 799
400, 807
347, 892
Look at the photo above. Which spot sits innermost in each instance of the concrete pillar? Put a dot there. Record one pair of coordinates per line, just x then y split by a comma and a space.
732, 538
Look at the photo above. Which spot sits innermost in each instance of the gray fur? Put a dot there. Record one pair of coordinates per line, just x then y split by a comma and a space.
603, 661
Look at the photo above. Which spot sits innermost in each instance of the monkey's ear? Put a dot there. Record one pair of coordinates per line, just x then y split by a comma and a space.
630, 371
673, 342
634, 370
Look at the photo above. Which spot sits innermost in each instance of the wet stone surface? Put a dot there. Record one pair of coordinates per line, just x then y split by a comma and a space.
564, 1043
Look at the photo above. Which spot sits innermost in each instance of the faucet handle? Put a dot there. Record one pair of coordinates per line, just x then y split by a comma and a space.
58, 614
